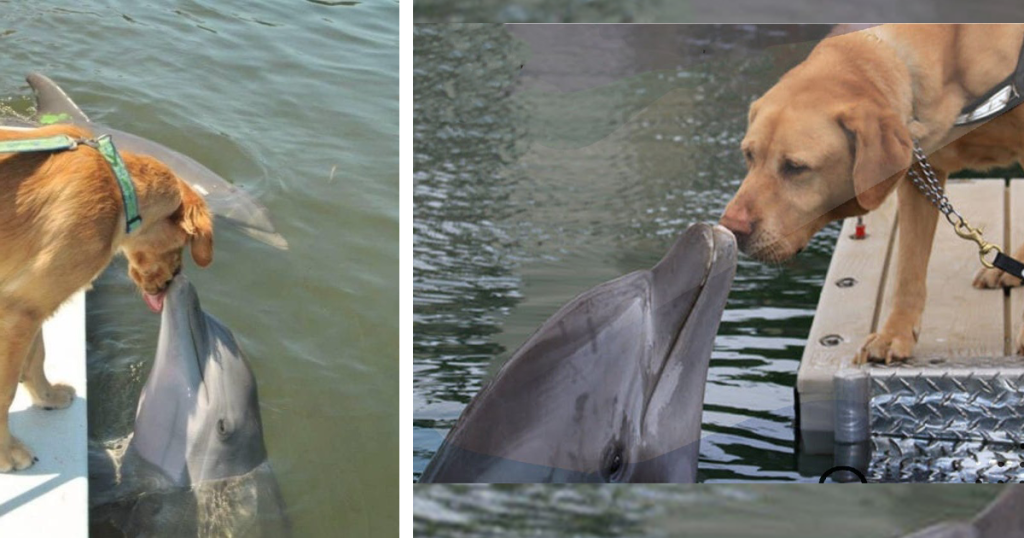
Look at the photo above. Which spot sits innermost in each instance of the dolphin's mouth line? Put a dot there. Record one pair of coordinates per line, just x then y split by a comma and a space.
675, 338
195, 350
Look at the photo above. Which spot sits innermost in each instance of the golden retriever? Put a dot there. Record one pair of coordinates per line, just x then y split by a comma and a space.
833, 138
61, 222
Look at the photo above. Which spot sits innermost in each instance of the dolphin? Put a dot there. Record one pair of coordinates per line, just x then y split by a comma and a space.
195, 462
611, 387
1003, 518
226, 200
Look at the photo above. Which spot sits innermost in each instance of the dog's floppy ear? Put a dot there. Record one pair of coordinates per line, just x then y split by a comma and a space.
197, 223
882, 152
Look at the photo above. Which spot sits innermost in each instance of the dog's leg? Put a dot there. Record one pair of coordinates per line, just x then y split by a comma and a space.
18, 330
917, 220
33, 377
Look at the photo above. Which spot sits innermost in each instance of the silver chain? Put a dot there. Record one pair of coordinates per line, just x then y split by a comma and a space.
929, 186
933, 191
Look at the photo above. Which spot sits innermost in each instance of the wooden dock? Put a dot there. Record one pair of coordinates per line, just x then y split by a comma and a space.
966, 333
51, 498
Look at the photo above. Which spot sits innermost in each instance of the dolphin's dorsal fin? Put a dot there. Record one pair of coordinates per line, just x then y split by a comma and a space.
52, 104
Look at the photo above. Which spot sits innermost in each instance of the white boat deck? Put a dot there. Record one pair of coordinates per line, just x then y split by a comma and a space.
51, 498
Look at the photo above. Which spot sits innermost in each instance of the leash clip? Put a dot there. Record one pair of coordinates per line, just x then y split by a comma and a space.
90, 142
966, 231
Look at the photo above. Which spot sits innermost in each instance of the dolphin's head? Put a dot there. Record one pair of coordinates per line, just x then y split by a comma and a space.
611, 387
198, 417
689, 289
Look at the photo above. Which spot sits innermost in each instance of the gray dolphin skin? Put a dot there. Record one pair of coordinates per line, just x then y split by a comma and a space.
611, 387
225, 200
198, 417
196, 463
1004, 518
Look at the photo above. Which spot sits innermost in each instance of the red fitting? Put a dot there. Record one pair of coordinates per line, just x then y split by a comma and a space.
860, 232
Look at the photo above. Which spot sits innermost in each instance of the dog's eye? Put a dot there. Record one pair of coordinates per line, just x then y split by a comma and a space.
792, 168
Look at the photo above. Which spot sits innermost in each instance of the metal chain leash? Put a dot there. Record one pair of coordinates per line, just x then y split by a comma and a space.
929, 186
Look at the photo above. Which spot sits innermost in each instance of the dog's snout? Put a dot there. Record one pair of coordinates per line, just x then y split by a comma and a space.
737, 219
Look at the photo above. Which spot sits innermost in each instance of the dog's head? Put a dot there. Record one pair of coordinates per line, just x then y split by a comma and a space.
176, 216
816, 150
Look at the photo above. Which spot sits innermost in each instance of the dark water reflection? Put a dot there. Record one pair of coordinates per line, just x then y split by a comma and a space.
552, 158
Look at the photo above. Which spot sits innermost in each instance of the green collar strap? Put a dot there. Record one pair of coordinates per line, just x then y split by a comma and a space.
105, 146
50, 143
132, 218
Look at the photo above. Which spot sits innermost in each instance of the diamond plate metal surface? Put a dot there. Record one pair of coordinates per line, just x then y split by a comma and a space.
948, 420
916, 460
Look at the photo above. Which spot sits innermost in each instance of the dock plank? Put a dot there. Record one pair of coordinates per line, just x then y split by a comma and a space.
960, 320
51, 498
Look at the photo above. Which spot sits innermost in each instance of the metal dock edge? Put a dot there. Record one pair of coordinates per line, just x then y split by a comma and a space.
955, 411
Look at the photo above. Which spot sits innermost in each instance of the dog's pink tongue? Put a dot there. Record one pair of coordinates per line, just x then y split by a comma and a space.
154, 302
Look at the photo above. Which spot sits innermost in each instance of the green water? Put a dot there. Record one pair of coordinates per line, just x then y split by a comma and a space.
705, 511
297, 103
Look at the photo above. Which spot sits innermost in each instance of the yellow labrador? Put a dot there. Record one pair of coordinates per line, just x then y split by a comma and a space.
834, 137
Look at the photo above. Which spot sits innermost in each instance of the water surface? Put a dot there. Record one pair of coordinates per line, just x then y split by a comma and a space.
297, 103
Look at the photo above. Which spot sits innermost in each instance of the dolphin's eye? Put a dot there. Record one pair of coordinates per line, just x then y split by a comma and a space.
614, 464
222, 428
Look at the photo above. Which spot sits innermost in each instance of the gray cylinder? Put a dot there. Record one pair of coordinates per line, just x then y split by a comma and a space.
852, 393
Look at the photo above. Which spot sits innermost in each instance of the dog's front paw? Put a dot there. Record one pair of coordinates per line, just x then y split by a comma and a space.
58, 396
1020, 342
15, 456
987, 278
886, 347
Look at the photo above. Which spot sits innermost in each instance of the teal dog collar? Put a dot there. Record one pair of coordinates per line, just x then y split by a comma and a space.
105, 146
132, 218
50, 143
